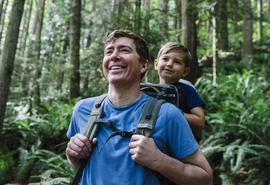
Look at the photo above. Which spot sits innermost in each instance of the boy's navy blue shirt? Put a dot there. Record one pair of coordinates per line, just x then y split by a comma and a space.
189, 98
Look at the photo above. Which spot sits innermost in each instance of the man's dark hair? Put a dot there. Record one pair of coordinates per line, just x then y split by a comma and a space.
141, 46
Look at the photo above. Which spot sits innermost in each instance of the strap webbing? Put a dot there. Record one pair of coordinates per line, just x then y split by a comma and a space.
149, 116
90, 133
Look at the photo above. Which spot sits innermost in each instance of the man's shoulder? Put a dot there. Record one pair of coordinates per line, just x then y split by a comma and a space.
86, 103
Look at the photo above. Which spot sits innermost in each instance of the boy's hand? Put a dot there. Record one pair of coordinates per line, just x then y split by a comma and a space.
144, 151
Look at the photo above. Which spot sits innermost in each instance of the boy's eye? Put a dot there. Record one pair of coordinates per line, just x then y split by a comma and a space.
165, 59
179, 62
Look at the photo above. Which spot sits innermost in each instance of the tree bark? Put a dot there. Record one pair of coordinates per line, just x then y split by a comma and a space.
214, 48
35, 52
147, 8
1, 7
189, 35
164, 18
138, 16
221, 14
247, 31
260, 20
268, 6
75, 26
2, 21
8, 56
25, 67
177, 19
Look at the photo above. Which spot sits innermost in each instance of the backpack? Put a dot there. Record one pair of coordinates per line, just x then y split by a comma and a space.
169, 92
144, 127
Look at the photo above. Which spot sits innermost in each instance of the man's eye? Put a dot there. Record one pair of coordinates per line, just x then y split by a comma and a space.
124, 51
108, 52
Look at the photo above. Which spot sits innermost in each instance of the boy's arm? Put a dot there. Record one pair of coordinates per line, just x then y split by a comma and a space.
196, 118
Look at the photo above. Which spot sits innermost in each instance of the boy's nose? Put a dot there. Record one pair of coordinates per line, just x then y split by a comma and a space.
170, 63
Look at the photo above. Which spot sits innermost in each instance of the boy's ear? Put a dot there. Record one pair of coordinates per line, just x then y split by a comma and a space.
155, 64
186, 72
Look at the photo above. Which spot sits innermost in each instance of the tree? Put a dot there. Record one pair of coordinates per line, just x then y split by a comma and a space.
221, 15
189, 35
8, 55
268, 5
164, 18
3, 9
247, 30
260, 20
138, 15
23, 47
34, 53
75, 27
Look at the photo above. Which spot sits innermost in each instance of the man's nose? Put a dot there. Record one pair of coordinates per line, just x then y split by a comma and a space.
114, 55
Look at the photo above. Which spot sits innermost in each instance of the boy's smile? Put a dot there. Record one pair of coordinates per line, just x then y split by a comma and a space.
171, 67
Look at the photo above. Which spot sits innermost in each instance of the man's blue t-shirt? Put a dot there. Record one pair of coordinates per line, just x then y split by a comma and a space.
110, 162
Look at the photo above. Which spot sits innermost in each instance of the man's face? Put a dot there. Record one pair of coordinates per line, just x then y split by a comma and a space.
121, 62
171, 67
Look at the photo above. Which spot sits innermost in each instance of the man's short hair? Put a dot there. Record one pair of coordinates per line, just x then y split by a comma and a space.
141, 46
176, 47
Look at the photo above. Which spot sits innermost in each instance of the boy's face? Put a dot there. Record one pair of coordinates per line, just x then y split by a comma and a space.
121, 62
171, 67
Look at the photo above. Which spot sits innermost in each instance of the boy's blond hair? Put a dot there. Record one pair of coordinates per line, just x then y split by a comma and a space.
176, 47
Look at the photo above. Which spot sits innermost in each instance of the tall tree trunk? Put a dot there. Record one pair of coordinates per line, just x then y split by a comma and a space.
214, 48
221, 14
147, 8
35, 53
268, 6
25, 67
75, 26
1, 7
2, 20
247, 30
8, 57
189, 35
177, 19
138, 15
164, 18
26, 21
260, 20
61, 73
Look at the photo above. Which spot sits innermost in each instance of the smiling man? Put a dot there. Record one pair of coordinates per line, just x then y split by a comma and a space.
171, 151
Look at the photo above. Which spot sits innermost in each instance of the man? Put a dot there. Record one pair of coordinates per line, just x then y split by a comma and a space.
171, 151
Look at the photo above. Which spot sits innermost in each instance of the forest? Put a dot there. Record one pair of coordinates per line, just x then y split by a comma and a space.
51, 54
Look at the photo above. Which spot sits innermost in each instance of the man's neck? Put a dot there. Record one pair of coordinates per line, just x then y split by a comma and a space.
124, 95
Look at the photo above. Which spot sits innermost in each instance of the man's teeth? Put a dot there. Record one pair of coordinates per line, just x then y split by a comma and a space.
116, 67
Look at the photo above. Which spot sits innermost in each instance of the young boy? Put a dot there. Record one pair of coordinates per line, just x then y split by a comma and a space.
172, 65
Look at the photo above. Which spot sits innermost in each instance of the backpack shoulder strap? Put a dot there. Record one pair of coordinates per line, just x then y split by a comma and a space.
149, 116
96, 112
90, 132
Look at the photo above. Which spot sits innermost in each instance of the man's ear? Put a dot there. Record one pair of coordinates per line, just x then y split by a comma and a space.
186, 72
144, 67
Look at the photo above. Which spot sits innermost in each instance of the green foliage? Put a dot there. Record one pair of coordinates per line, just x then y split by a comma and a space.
236, 141
36, 142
